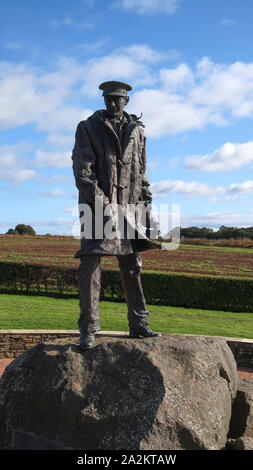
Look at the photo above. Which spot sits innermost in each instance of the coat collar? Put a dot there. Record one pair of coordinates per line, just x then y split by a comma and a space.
128, 119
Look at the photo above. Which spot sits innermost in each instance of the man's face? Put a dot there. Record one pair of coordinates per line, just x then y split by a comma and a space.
115, 105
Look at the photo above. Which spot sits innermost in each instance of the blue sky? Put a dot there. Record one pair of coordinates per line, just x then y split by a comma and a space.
190, 63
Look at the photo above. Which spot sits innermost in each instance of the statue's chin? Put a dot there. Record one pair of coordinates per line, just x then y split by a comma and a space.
115, 115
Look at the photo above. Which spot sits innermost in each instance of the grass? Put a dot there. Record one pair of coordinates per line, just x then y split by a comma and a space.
34, 312
225, 249
233, 260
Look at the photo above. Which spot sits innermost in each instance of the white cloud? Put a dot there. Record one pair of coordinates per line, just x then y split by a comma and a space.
216, 219
62, 140
188, 189
69, 209
17, 175
70, 22
64, 118
57, 192
52, 159
144, 53
28, 94
196, 188
191, 98
13, 167
225, 89
231, 198
210, 219
172, 100
241, 188
121, 65
147, 7
227, 21
226, 158
55, 178
180, 77
165, 113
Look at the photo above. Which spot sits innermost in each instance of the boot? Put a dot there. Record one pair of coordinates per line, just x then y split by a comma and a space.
87, 340
142, 332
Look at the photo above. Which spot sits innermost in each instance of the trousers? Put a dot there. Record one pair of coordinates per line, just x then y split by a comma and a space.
89, 276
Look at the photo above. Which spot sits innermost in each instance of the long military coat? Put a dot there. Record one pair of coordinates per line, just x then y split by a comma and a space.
113, 168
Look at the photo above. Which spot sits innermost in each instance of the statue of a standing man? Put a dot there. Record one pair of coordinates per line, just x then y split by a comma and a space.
109, 163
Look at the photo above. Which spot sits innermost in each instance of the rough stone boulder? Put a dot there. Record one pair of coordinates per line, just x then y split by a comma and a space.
241, 424
243, 443
170, 392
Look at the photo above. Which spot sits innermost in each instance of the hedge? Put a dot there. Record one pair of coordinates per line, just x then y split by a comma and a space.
206, 292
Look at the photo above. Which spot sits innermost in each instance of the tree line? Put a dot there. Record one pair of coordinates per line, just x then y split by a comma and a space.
223, 232
187, 232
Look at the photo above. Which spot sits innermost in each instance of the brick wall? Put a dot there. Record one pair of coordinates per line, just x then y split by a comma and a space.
243, 352
14, 342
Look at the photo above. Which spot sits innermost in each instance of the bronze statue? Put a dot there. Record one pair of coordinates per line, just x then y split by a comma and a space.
109, 165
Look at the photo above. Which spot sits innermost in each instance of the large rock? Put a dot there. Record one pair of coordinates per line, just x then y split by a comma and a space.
171, 392
243, 443
241, 424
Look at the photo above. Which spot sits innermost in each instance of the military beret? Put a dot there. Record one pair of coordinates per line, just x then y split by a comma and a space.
115, 88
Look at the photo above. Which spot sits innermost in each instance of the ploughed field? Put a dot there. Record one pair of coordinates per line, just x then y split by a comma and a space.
192, 259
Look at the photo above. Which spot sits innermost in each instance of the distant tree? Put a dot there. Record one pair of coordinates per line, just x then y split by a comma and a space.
223, 233
242, 233
10, 232
227, 232
23, 229
191, 232
206, 232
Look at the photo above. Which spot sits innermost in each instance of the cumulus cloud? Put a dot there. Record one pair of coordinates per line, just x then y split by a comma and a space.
187, 189
226, 89
166, 113
147, 7
61, 140
216, 219
13, 167
127, 64
52, 159
43, 180
62, 119
144, 53
191, 189
28, 94
241, 188
180, 77
172, 99
57, 192
226, 158
190, 98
